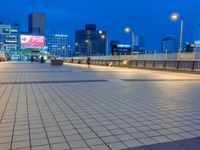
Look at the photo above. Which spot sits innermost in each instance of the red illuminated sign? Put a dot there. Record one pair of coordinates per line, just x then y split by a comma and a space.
32, 41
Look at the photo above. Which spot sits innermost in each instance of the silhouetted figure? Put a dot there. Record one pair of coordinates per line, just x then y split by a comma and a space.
88, 62
32, 59
42, 59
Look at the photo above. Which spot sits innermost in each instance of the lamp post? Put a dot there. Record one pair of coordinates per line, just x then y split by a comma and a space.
175, 17
103, 37
129, 30
89, 47
79, 48
107, 47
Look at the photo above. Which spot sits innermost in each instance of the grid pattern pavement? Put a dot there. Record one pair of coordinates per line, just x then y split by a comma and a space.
114, 114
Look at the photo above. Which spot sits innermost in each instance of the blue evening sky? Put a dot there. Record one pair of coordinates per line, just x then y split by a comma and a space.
147, 17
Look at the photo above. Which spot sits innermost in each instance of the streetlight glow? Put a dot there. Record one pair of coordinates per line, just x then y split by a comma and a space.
174, 16
103, 36
127, 29
87, 41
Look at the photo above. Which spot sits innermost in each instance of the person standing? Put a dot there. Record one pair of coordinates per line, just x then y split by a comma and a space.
42, 59
88, 62
32, 58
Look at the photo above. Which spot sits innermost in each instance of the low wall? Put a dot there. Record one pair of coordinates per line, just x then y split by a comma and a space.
182, 65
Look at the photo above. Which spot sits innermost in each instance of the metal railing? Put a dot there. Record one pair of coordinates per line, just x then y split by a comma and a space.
157, 56
170, 61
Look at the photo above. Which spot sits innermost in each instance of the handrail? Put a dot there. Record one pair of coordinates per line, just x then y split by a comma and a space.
158, 56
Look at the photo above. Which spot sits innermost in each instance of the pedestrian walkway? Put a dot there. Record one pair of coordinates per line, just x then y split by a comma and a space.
101, 108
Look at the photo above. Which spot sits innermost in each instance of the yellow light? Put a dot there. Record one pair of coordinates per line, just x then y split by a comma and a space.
174, 16
127, 30
103, 36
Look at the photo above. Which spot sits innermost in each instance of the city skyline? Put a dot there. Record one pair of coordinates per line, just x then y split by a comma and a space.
66, 17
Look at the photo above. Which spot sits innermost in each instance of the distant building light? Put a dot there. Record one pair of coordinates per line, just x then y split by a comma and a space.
14, 30
60, 35
197, 44
123, 46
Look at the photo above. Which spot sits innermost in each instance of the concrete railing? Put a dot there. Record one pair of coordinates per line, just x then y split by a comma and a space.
173, 61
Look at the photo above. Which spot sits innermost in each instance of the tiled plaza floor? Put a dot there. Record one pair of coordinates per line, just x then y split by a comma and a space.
101, 108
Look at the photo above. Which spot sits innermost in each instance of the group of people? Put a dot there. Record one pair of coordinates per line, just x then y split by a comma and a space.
41, 59
87, 61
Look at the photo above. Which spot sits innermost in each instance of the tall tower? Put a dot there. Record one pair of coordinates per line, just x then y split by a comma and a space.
37, 23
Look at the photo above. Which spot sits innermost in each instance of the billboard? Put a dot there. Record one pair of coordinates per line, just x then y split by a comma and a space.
32, 41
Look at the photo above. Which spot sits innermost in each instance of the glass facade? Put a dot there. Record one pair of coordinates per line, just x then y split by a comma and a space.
58, 45
170, 44
90, 42
37, 23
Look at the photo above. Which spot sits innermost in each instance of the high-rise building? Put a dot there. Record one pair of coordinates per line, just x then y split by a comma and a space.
9, 37
139, 44
170, 44
197, 29
58, 44
90, 41
197, 34
37, 23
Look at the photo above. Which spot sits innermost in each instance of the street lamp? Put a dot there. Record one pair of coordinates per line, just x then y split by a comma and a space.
103, 37
175, 17
79, 48
88, 42
129, 30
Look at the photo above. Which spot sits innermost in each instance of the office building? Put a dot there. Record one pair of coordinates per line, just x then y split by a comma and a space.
90, 41
58, 45
169, 44
37, 23
9, 37
120, 49
139, 44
